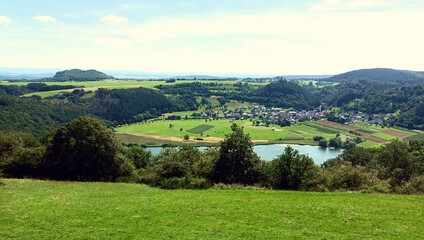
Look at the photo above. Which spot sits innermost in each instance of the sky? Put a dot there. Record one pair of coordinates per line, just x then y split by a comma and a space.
213, 36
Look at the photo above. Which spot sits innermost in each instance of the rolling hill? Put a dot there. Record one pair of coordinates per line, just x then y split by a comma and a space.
386, 75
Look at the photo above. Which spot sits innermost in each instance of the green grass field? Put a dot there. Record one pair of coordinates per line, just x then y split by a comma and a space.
114, 84
32, 209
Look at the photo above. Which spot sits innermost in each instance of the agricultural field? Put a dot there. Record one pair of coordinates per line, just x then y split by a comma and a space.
114, 84
216, 130
213, 131
34, 209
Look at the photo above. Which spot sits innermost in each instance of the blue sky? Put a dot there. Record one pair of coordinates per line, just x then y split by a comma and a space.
213, 36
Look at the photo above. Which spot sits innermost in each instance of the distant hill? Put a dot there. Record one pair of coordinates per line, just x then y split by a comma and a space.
385, 75
78, 75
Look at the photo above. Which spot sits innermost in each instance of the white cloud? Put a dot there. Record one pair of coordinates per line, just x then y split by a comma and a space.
4, 19
44, 18
113, 19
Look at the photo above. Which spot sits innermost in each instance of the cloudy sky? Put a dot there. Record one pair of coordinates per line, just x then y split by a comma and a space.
213, 36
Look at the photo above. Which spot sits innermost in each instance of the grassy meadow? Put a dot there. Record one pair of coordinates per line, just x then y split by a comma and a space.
33, 209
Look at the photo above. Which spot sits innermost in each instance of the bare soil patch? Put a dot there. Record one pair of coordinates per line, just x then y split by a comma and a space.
375, 139
336, 125
397, 133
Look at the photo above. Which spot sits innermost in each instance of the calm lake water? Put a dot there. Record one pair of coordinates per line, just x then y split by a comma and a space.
269, 152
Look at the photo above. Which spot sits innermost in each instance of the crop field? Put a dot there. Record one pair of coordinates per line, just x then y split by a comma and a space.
114, 84
33, 209
217, 129
200, 129
213, 131
385, 136
395, 133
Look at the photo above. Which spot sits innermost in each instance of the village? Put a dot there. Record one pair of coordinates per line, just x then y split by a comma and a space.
264, 115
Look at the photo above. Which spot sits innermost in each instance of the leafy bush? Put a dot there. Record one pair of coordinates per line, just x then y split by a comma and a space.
84, 150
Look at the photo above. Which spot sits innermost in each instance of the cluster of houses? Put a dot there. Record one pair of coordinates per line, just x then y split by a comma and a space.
274, 115
271, 114
368, 119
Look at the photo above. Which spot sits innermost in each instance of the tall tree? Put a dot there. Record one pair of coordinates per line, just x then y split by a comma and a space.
238, 163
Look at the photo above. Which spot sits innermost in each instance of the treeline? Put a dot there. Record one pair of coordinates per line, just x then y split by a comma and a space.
282, 93
85, 150
15, 90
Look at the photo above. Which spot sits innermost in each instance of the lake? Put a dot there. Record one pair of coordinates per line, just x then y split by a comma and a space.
269, 152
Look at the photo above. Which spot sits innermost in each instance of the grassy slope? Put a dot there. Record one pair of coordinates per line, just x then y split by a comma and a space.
32, 209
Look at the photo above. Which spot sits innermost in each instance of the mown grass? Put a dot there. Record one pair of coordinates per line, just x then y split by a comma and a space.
31, 209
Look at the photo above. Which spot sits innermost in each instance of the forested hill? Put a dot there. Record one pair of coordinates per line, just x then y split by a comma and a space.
78, 75
34, 116
288, 94
385, 75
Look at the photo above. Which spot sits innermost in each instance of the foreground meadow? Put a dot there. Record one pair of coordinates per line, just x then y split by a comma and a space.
32, 209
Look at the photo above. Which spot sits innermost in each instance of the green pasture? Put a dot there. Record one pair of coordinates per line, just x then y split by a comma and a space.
33, 209
115, 84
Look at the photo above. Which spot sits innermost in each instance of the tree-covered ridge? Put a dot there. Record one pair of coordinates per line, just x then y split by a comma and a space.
288, 94
129, 105
343, 93
386, 75
34, 116
78, 75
